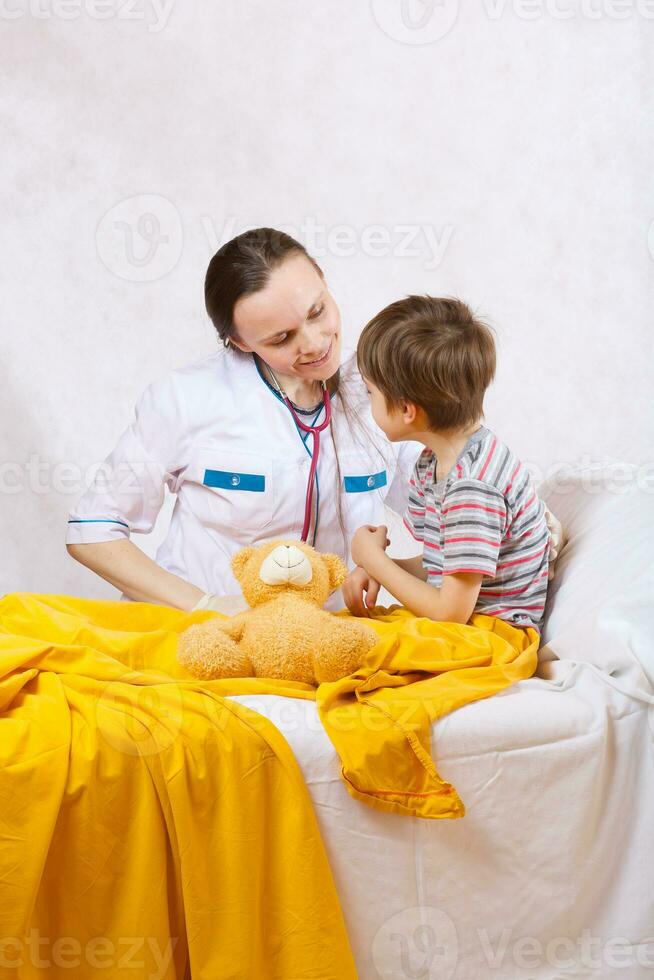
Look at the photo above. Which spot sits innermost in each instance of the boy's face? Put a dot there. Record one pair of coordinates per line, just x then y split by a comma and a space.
393, 423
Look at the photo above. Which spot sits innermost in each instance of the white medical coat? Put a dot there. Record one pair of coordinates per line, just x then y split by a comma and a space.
226, 445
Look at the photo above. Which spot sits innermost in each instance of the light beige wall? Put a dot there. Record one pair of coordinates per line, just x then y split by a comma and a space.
501, 152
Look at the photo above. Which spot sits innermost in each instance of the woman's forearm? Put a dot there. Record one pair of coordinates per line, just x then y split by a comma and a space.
129, 569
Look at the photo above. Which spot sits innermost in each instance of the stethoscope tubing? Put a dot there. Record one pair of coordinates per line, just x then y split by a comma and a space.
315, 431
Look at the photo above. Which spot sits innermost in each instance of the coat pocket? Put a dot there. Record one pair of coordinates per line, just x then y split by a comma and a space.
236, 488
364, 484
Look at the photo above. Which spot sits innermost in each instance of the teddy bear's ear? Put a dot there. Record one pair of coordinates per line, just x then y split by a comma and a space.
240, 560
337, 570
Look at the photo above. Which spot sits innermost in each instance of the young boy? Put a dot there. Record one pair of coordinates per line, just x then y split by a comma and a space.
427, 363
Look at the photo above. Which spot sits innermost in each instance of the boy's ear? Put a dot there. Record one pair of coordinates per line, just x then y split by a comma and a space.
337, 570
409, 412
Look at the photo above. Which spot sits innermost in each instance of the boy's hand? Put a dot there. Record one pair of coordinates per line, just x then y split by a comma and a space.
557, 540
357, 582
366, 540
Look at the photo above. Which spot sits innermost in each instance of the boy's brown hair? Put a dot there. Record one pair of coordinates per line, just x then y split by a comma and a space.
433, 352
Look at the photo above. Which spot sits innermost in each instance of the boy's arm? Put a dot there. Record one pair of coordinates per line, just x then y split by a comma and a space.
454, 602
413, 565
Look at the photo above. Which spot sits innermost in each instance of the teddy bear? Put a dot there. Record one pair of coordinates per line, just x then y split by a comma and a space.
285, 633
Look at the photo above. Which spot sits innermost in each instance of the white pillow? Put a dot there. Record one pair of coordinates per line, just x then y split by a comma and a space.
600, 604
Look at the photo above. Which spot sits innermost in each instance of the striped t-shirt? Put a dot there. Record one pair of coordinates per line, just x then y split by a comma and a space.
484, 516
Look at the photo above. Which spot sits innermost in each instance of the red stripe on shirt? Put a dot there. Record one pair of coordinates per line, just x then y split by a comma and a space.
409, 528
417, 488
526, 588
523, 509
519, 561
510, 483
488, 458
489, 510
453, 571
499, 609
483, 540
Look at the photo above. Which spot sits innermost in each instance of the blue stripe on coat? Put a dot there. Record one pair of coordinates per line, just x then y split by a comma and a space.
359, 484
224, 480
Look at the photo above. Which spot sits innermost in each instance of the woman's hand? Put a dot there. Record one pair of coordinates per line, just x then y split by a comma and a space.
557, 538
228, 605
366, 541
355, 585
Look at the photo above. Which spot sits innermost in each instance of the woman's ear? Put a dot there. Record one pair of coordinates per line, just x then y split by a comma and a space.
240, 560
235, 342
337, 570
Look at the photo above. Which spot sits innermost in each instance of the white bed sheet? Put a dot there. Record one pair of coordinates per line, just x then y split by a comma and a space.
551, 872
556, 846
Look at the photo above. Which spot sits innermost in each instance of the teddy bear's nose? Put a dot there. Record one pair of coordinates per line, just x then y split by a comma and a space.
286, 563
287, 555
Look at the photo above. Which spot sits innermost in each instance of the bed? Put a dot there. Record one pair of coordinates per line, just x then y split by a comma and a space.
551, 872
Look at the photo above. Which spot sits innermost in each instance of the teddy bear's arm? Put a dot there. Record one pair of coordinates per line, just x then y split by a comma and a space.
233, 626
211, 649
341, 648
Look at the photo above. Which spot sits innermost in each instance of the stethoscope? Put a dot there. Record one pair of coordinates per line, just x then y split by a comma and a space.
315, 431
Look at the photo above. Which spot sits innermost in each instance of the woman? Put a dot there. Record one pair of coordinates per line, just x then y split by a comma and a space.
221, 436
225, 435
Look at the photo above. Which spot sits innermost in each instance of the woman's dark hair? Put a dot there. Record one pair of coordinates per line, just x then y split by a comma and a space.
243, 266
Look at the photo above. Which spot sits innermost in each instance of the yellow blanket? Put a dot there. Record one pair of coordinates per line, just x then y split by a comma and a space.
136, 799
379, 719
147, 828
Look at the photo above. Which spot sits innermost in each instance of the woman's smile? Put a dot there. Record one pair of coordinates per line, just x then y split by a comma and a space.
319, 360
